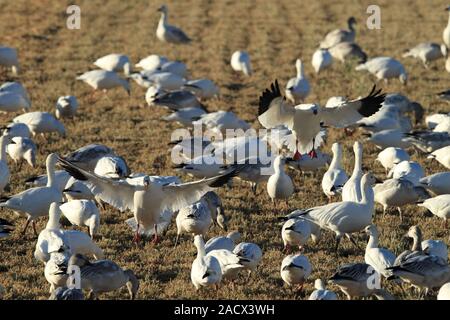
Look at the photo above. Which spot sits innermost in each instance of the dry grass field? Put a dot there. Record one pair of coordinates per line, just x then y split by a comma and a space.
275, 33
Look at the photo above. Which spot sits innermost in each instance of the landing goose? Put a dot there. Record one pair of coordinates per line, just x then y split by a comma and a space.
295, 270
41, 122
446, 33
391, 156
104, 80
339, 35
438, 183
305, 120
230, 263
444, 291
425, 52
297, 89
4, 169
193, 219
169, 33
279, 185
295, 232
205, 270
321, 60
22, 149
407, 170
66, 107
82, 213
240, 62
17, 130
104, 276
347, 50
250, 254
439, 206
228, 242
203, 88
114, 62
13, 102
151, 62
385, 68
321, 293
35, 202
352, 188
335, 177
148, 199
8, 58
442, 156
378, 258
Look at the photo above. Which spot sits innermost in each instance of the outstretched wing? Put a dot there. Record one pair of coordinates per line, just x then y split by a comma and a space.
273, 109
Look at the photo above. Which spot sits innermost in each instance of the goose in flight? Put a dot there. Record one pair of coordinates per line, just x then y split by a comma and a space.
168, 33
146, 199
305, 120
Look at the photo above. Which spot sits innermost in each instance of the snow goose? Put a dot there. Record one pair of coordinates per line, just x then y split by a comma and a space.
389, 138
22, 148
321, 60
216, 209
352, 188
203, 88
53, 236
162, 80
308, 164
13, 102
426, 141
339, 35
151, 62
112, 167
64, 293
201, 167
66, 107
5, 228
279, 185
295, 232
297, 89
35, 202
249, 253
114, 62
17, 130
435, 248
147, 199
205, 270
4, 169
82, 213
442, 155
228, 242
87, 157
169, 33
194, 219
391, 156
185, 116
444, 291
78, 190
15, 87
439, 206
443, 126
220, 121
175, 67
174, 100
378, 258
347, 50
407, 170
414, 233
230, 263
343, 218
55, 270
41, 122
398, 193
61, 179
104, 276
321, 293
434, 119
240, 62
425, 52
385, 68
446, 33
8, 58
305, 120
388, 118
335, 177
295, 269
104, 80
438, 183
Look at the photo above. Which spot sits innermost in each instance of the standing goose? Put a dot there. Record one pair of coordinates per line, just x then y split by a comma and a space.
321, 293
442, 155
321, 60
279, 185
13, 102
194, 219
205, 270
82, 213
295, 269
438, 183
335, 178
347, 50
240, 62
446, 33
391, 156
114, 62
297, 89
151, 62
426, 52
66, 107
228, 242
41, 122
250, 255
339, 35
35, 202
22, 149
4, 169
104, 80
17, 130
439, 206
385, 68
352, 188
295, 232
169, 33
8, 58
378, 258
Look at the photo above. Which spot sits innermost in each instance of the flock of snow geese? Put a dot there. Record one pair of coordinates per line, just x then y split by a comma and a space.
95, 175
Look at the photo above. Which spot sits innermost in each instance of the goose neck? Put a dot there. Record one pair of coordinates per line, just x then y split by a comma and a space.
417, 243
358, 162
300, 70
336, 162
373, 241
50, 173
163, 19
3, 145
367, 195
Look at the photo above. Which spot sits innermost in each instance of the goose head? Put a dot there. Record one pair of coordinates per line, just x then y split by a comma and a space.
351, 22
336, 148
51, 161
163, 9
79, 260
371, 230
146, 182
447, 9
414, 232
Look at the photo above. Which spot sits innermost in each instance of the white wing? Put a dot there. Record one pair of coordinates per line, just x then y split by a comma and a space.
274, 110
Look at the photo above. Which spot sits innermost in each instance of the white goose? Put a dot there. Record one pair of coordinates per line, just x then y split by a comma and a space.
279, 185
444, 291
228, 242
321, 60
295, 270
174, 67
104, 80
112, 167
391, 156
22, 149
378, 258
13, 102
347, 50
87, 157
295, 232
41, 122
17, 130
439, 206
426, 52
82, 213
321, 293
230, 263
194, 219
389, 138
4, 169
240, 62
114, 62
35, 202
408, 170
205, 270
169, 33
339, 35
335, 177
434, 119
250, 255
435, 248
8, 58
203, 88
220, 121
385, 68
438, 183
66, 107
297, 89
161, 80
16, 87
446, 33
352, 188
151, 62
442, 156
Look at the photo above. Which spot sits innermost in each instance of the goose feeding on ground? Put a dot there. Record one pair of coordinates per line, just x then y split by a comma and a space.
64, 293
279, 185
435, 248
104, 276
82, 213
444, 291
5, 228
297, 89
389, 138
438, 183
228, 242
340, 35
15, 87
240, 62
168, 33
439, 206
407, 170
112, 167
13, 102
352, 188
220, 121
55, 270
391, 156
378, 258
114, 62
41, 122
442, 156
8, 58
185, 116
295, 232
203, 88
205, 270
321, 293
308, 164
216, 209
347, 50
295, 270
230, 263
147, 199
175, 67
174, 100
104, 80
306, 120
321, 60
17, 130
4, 169
426, 141
151, 62
194, 219
249, 253
385, 68
35, 202
22, 149
335, 177
87, 157
162, 80
425, 52
66, 107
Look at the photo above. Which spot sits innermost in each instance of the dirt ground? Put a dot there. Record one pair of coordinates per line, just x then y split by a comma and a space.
275, 33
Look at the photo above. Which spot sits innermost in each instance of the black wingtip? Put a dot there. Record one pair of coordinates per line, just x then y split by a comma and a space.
372, 103
225, 178
267, 96
71, 169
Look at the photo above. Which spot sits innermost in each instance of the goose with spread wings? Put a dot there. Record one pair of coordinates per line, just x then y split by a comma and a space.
306, 120
148, 198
